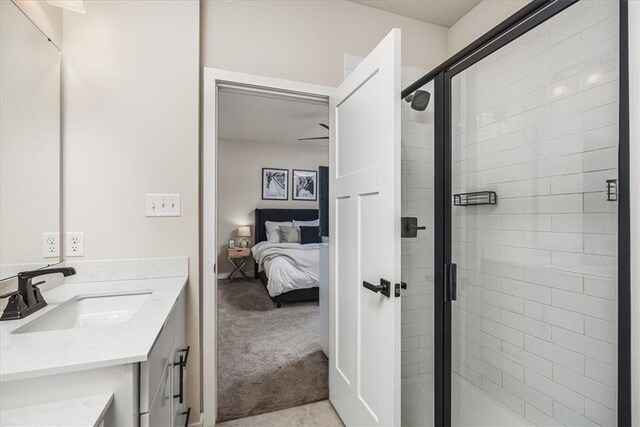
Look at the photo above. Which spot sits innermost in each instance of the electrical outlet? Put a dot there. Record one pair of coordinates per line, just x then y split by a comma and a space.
74, 244
50, 245
162, 204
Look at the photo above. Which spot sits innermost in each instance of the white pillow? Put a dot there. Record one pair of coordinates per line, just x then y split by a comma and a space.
315, 223
273, 230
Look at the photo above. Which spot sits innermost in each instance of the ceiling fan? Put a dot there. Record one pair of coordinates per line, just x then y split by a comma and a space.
317, 137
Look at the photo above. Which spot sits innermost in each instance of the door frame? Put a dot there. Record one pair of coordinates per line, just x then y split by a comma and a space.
213, 78
526, 19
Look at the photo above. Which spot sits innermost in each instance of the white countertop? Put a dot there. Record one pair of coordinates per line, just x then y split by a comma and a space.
86, 411
50, 352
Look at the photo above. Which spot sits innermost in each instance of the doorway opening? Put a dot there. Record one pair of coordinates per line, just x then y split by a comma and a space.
265, 340
271, 149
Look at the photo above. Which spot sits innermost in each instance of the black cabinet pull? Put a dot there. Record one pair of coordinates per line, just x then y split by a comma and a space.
188, 414
384, 287
182, 363
186, 354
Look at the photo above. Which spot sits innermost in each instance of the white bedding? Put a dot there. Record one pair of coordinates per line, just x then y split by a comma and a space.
288, 266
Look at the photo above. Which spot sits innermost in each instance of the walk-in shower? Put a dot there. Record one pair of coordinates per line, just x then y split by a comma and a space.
515, 313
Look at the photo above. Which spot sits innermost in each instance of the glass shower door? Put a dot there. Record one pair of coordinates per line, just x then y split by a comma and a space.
417, 388
534, 145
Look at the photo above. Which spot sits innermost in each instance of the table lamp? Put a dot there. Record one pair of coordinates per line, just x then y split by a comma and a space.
244, 231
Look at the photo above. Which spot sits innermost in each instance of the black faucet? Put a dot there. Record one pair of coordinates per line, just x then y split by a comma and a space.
28, 299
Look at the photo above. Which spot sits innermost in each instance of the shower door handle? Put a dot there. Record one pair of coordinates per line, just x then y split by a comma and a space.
451, 282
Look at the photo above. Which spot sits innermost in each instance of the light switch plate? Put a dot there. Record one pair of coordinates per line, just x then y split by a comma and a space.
74, 244
50, 245
162, 204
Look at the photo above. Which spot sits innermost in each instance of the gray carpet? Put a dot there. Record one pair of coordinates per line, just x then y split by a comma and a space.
268, 358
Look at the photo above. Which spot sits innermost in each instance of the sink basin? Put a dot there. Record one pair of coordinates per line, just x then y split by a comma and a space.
87, 311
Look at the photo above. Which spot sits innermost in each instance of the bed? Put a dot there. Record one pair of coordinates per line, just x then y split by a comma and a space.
290, 283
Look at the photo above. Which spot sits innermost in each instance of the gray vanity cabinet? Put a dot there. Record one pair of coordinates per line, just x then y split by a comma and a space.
162, 398
144, 393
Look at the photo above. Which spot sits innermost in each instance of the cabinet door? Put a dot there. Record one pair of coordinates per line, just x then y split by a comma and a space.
160, 414
180, 411
324, 298
151, 371
180, 351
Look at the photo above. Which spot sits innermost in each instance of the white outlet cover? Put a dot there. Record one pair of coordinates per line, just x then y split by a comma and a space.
74, 244
50, 245
162, 205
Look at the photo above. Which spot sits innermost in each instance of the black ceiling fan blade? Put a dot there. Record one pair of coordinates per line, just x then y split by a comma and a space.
324, 126
309, 139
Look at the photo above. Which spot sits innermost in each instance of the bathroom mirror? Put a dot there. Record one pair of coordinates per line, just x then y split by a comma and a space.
29, 145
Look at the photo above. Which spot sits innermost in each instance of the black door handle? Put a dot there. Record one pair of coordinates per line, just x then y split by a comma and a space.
384, 287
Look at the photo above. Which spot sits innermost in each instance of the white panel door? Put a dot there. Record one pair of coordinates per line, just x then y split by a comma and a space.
364, 373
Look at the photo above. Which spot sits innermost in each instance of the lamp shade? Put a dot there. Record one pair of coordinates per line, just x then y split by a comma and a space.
244, 231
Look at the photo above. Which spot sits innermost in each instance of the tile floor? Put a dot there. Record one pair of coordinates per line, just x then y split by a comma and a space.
318, 414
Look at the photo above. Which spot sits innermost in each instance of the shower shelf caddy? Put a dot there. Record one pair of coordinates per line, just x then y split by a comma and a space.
475, 199
612, 190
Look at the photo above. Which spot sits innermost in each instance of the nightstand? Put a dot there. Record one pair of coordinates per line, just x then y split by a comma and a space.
238, 258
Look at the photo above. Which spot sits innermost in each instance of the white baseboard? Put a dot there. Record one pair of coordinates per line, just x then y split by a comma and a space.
197, 423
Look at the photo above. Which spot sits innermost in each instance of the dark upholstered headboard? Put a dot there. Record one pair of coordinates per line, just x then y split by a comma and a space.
280, 215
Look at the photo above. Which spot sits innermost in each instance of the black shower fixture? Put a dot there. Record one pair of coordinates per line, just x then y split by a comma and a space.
419, 99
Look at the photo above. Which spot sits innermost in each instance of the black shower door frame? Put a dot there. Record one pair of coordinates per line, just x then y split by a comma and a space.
526, 19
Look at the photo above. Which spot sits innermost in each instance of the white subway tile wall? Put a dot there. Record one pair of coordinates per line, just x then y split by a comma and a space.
417, 253
534, 326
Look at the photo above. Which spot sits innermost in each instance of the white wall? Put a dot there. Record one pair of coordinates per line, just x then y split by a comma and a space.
535, 321
46, 17
240, 184
634, 114
130, 127
479, 20
306, 40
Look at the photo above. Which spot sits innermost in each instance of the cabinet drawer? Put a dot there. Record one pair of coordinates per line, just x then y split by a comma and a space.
160, 414
180, 354
182, 418
151, 371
